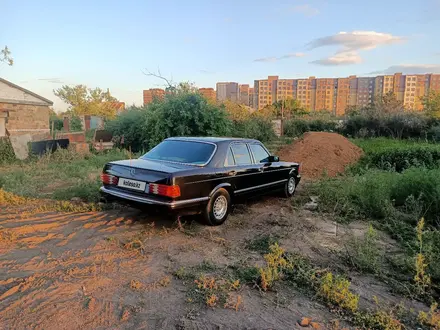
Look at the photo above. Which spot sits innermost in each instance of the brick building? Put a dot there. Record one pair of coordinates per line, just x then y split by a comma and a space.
208, 93
23, 112
152, 93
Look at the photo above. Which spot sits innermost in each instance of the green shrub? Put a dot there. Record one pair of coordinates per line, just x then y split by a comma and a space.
297, 127
75, 124
402, 125
129, 125
254, 128
7, 154
397, 155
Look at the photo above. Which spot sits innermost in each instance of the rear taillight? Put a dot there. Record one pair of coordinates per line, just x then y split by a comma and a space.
109, 179
299, 168
164, 190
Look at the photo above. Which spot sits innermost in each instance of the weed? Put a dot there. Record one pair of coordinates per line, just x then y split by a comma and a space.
8, 198
432, 318
275, 264
215, 292
421, 278
246, 274
336, 291
164, 281
262, 243
365, 254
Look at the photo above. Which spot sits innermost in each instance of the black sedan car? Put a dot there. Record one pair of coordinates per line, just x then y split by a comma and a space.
199, 175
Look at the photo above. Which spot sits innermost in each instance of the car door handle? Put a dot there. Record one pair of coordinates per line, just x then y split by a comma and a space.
232, 173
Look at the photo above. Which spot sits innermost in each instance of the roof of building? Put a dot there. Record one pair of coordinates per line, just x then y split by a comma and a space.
43, 99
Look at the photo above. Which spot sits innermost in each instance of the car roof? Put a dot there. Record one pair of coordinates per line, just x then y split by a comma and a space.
211, 139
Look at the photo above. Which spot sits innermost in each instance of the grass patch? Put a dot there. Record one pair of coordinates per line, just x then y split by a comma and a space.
61, 175
262, 243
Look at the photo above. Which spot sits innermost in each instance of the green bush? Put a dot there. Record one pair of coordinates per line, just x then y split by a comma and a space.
7, 154
297, 127
254, 128
402, 125
397, 155
128, 128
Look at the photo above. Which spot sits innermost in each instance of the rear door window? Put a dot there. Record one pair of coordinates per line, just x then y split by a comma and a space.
241, 154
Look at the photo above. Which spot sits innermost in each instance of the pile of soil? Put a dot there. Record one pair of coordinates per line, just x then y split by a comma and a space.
321, 153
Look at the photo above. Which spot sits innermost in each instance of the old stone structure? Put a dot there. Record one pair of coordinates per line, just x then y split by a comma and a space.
23, 112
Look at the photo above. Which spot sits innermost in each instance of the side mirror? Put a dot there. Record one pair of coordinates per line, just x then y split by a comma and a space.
273, 159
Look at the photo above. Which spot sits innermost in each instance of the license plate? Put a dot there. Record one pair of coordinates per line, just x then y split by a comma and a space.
132, 184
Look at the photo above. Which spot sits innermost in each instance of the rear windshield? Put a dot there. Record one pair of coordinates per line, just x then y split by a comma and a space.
187, 152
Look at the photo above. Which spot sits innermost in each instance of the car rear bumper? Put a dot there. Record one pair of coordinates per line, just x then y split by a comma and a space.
171, 205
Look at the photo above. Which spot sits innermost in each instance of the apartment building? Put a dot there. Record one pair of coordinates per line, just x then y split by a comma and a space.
244, 94
150, 94
265, 92
399, 86
414, 91
227, 91
326, 95
342, 96
251, 97
306, 93
434, 82
208, 93
365, 91
285, 89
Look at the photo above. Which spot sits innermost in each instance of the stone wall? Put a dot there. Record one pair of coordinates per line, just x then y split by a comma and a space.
22, 119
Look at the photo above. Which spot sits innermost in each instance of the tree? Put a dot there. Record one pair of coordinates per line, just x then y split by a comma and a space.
431, 103
288, 108
87, 101
388, 103
5, 56
236, 111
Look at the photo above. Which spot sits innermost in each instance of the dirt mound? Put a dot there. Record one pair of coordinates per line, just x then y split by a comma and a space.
320, 152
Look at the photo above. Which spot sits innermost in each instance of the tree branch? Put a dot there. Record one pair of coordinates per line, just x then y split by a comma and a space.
158, 75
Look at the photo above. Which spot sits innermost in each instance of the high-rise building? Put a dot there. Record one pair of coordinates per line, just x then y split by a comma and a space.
414, 91
208, 93
251, 97
365, 91
325, 94
399, 86
306, 92
434, 82
285, 89
265, 92
342, 95
152, 93
244, 94
227, 91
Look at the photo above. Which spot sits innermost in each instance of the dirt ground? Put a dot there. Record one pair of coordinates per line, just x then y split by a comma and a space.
114, 270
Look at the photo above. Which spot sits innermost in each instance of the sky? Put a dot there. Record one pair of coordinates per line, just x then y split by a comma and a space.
111, 44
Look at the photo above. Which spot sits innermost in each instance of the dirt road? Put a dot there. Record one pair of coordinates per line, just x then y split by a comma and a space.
114, 270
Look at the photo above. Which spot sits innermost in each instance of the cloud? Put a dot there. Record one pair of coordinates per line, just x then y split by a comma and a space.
283, 57
206, 72
266, 59
305, 9
410, 69
52, 80
228, 20
350, 43
356, 40
341, 58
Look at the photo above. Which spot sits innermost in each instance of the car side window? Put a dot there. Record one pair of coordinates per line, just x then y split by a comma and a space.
260, 154
229, 161
241, 154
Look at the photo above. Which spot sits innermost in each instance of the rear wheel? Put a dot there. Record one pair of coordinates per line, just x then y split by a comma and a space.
218, 208
290, 186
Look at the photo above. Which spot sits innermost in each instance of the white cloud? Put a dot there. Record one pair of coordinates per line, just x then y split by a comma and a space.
305, 9
283, 57
341, 58
410, 69
350, 43
266, 59
356, 40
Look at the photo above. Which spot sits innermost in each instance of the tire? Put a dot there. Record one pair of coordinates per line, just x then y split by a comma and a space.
217, 210
290, 186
